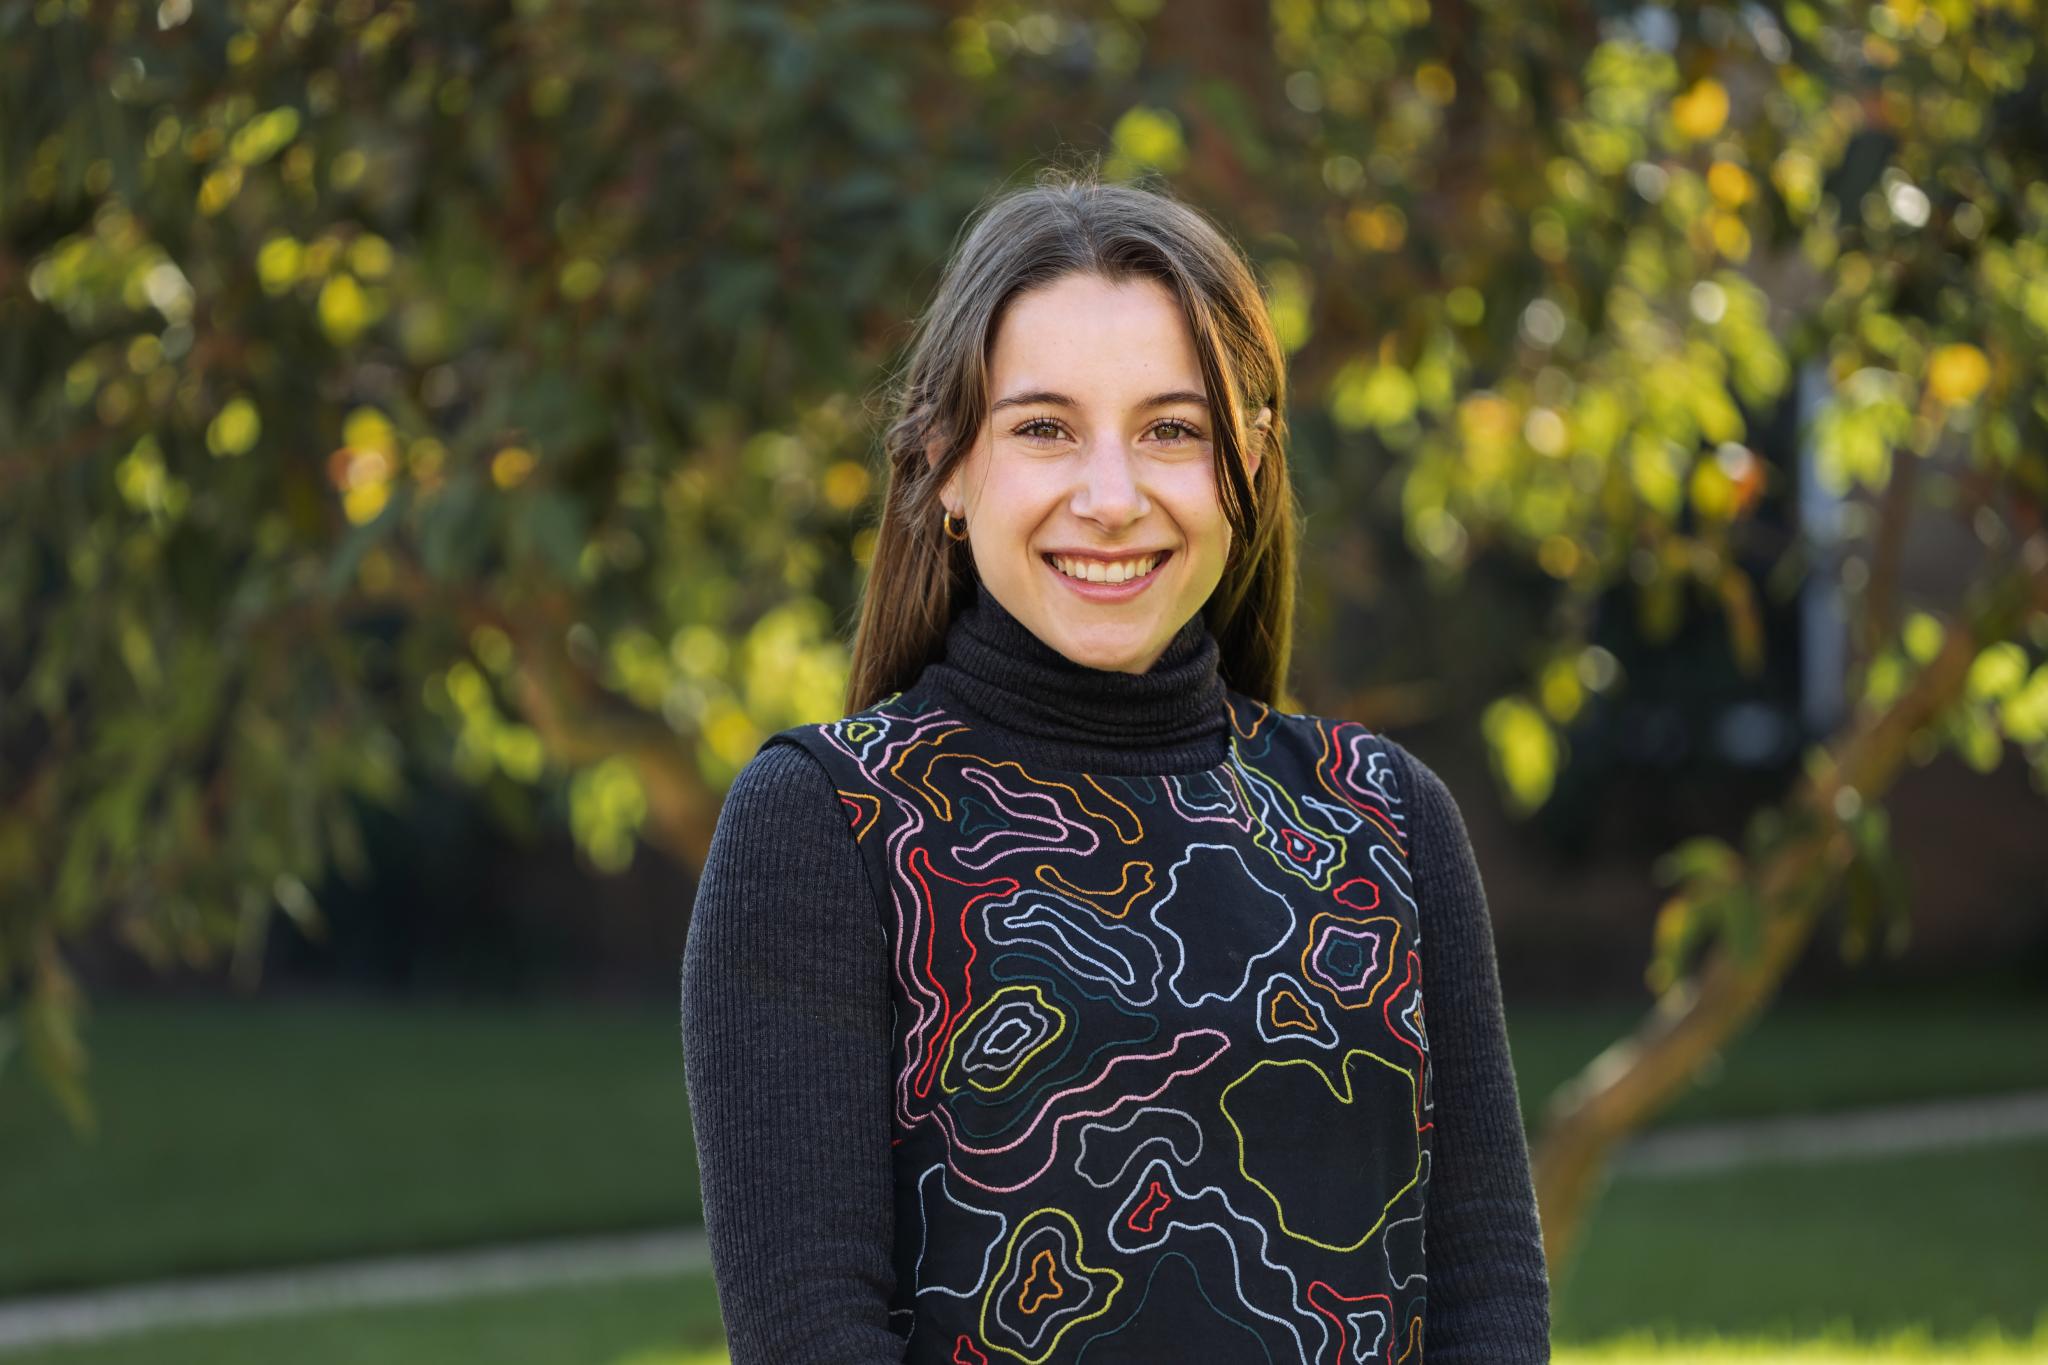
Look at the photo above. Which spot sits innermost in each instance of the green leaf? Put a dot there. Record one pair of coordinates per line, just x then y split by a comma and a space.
550, 525
1701, 859
348, 556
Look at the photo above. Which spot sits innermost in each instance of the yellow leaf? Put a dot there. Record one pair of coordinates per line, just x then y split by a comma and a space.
1524, 750
845, 484
1729, 183
1701, 112
519, 753
1435, 83
580, 278
363, 502
278, 263
1150, 137
1922, 635
1731, 236
1560, 687
344, 312
1289, 299
1957, 373
370, 256
263, 136
219, 188
365, 428
1380, 228
234, 429
1997, 671
1713, 492
510, 466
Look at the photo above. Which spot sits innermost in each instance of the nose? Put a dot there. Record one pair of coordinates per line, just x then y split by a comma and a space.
1108, 492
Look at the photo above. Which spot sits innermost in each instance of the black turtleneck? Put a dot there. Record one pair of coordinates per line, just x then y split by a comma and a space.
786, 1014
1044, 708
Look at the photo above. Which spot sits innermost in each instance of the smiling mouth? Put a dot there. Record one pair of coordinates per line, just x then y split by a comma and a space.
1112, 572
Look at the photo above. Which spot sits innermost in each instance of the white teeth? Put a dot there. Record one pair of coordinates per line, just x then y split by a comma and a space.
1096, 571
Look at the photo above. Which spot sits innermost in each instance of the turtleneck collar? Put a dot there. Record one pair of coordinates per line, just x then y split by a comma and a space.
1041, 707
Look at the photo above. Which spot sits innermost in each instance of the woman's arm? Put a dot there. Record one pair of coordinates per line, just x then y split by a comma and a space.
785, 1022
1489, 1289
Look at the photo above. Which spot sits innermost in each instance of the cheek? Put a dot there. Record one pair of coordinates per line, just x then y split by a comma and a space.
1197, 508
1009, 512
1012, 498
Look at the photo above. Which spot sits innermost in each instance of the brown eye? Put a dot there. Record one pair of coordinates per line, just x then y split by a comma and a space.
1025, 430
1188, 431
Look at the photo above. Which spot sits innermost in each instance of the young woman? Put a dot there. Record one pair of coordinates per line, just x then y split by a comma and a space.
1065, 1000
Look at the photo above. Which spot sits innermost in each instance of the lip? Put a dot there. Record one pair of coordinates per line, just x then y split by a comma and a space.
1108, 592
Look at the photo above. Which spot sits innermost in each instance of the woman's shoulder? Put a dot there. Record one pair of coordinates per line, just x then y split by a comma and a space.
1388, 764
798, 772
1436, 841
785, 820
881, 714
1415, 774
782, 784
847, 749
804, 766
1252, 716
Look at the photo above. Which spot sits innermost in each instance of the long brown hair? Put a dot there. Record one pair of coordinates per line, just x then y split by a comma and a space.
1069, 221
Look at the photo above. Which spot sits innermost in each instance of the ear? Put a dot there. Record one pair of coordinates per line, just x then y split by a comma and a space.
933, 450
1256, 450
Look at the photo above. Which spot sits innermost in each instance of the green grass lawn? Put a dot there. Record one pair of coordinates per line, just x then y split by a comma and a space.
669, 1321
1858, 1049
257, 1133
1943, 1242
1906, 1348
237, 1134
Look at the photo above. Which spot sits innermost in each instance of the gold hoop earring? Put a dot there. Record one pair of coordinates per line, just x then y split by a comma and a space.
947, 521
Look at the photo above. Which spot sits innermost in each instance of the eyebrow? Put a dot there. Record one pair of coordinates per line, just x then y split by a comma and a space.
1157, 400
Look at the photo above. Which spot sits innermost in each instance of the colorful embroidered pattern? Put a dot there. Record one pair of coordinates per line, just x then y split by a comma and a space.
1162, 1084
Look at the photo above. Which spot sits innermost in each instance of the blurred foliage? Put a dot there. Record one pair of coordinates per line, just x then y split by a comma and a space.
489, 385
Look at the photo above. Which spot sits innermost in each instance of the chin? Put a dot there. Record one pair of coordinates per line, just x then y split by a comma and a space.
1112, 651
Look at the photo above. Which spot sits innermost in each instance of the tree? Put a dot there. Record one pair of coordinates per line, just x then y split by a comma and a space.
461, 380
474, 382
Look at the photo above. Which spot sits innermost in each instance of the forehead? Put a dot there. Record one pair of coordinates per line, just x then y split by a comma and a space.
1083, 335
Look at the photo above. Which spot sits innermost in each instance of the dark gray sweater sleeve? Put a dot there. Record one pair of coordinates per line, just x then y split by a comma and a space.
1489, 1289
785, 1025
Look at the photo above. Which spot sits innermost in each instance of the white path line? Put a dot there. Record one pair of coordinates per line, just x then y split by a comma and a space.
1930, 1127
370, 1282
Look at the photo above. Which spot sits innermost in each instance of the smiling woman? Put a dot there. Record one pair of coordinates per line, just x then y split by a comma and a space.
1095, 378
1090, 492
1064, 1001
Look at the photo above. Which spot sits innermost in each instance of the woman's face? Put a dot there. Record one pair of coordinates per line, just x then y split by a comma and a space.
1099, 451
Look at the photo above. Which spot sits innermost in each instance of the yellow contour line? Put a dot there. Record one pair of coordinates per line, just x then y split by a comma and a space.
1273, 1017
1327, 760
1018, 1066
1392, 956
871, 813
1081, 1266
1050, 875
1034, 781
1344, 1097
941, 805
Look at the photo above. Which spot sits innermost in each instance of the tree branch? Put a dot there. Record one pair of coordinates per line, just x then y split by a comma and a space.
1640, 1075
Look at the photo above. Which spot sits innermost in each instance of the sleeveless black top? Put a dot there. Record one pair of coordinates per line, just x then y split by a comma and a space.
1161, 1082
1046, 1013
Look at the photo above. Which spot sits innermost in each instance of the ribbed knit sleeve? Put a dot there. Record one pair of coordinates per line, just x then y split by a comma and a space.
1489, 1289
785, 1025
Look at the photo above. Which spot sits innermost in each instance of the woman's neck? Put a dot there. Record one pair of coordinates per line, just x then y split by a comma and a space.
1041, 707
